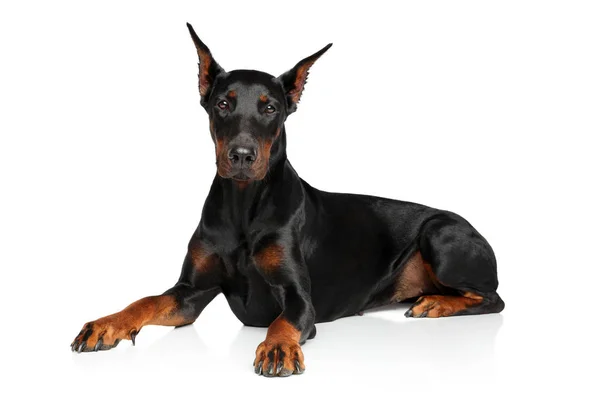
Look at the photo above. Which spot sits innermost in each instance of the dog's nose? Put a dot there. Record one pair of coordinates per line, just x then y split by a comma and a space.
241, 156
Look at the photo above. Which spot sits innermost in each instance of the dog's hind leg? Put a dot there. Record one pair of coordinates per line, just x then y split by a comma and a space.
454, 272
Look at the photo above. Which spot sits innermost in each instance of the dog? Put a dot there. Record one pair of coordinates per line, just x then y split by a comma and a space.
286, 255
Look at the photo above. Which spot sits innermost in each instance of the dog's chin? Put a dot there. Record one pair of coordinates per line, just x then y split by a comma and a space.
241, 177
245, 175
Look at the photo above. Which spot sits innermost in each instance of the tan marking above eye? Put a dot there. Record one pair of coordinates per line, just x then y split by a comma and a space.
263, 98
231, 93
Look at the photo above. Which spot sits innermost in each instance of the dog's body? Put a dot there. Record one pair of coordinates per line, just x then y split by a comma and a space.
286, 255
354, 247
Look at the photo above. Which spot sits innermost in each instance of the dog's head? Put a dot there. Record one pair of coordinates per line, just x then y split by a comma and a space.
247, 110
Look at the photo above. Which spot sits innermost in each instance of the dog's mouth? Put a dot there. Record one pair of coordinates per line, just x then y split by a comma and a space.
241, 176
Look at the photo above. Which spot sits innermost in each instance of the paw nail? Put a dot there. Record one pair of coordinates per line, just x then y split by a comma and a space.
132, 335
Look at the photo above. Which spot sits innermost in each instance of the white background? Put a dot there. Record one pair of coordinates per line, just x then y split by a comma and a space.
488, 109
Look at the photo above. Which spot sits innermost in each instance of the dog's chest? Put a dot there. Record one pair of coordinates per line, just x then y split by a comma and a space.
250, 297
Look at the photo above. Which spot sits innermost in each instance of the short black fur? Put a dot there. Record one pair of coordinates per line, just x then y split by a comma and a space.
277, 247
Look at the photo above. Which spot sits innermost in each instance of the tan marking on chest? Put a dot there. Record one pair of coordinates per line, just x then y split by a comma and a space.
202, 259
270, 257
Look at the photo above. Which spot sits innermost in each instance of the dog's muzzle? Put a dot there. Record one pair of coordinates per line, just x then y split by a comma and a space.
242, 153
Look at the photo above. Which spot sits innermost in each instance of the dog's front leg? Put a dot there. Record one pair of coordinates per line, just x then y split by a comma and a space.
179, 306
198, 285
280, 353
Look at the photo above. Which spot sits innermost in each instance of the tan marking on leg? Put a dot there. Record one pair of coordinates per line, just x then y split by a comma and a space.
416, 279
283, 342
473, 296
153, 310
435, 306
282, 330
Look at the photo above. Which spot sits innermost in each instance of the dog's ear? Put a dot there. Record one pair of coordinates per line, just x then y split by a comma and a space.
293, 81
209, 69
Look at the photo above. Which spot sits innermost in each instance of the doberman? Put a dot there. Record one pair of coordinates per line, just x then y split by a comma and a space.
286, 255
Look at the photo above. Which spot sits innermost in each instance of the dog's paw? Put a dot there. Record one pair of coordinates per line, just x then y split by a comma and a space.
278, 359
103, 334
435, 306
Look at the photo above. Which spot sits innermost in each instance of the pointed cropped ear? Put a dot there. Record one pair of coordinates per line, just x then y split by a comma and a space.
293, 81
208, 67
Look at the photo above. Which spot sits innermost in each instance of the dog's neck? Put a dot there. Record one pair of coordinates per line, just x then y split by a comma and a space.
240, 200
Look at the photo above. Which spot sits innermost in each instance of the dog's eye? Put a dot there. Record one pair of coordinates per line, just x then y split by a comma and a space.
270, 109
223, 105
